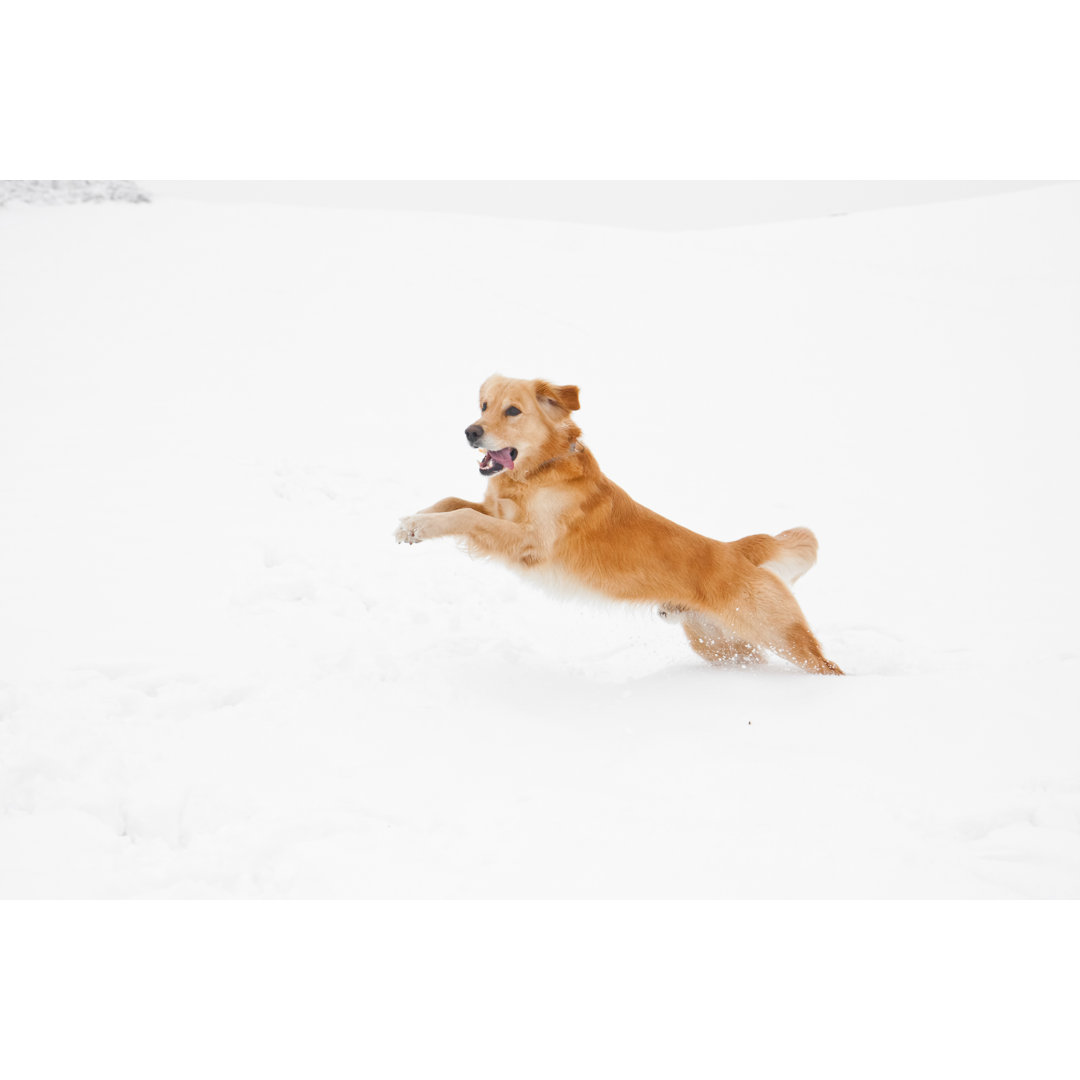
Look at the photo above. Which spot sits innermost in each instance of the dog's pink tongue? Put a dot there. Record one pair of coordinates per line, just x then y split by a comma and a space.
502, 457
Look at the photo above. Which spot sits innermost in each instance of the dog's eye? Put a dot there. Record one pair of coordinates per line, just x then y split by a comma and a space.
483, 408
513, 411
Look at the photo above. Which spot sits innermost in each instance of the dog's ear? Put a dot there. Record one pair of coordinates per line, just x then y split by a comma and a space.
563, 398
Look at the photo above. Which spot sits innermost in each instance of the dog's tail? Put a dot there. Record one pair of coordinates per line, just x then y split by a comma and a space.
788, 554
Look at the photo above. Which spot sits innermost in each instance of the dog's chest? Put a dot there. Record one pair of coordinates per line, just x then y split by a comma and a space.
541, 512
540, 515
508, 510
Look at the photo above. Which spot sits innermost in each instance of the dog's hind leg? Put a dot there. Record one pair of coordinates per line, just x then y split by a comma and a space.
768, 616
711, 643
709, 640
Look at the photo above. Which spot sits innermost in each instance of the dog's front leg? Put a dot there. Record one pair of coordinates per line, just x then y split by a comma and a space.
486, 535
444, 506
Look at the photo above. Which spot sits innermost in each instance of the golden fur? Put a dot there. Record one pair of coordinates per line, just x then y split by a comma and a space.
556, 516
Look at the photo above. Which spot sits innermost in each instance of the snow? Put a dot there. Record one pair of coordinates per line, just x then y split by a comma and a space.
639, 204
219, 675
58, 192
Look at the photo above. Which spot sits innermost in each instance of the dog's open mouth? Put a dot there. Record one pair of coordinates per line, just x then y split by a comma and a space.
497, 460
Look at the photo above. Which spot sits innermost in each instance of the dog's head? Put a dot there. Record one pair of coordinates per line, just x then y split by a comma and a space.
523, 422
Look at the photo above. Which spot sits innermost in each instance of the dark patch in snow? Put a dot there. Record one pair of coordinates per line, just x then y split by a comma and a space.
56, 192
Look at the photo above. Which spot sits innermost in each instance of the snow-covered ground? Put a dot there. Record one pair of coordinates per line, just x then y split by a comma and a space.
59, 192
220, 676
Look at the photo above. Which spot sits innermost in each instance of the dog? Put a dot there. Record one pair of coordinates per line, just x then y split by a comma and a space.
551, 513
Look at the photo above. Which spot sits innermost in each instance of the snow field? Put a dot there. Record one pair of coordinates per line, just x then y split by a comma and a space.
219, 676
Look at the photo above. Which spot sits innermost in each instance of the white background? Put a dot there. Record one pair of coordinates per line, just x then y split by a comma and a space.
926, 90
661, 205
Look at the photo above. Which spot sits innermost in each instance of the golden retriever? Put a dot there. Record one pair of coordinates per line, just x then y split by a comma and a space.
550, 512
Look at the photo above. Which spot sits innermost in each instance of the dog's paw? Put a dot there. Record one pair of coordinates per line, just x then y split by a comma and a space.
674, 612
409, 530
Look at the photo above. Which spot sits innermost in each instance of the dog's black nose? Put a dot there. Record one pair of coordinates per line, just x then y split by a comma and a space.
474, 433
